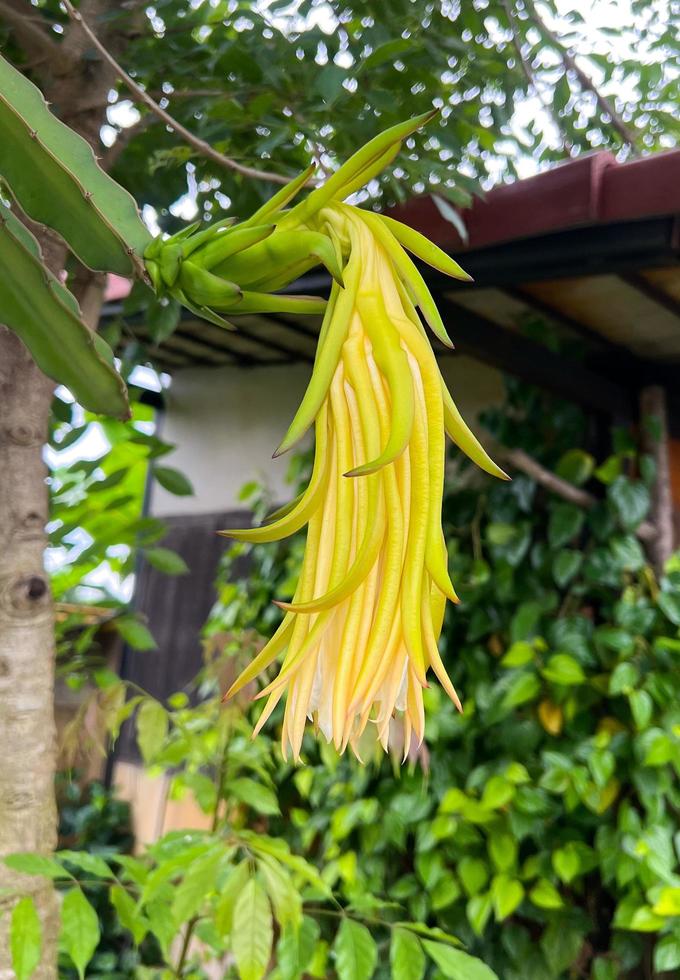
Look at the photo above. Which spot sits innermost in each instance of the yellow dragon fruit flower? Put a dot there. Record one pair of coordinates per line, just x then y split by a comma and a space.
361, 632
357, 641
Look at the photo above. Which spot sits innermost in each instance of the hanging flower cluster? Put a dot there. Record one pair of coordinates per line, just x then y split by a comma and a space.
357, 641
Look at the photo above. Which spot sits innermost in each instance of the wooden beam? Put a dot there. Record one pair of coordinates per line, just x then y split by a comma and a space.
654, 436
509, 351
653, 292
291, 353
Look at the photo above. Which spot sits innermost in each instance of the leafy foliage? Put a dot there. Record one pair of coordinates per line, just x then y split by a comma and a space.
99, 471
279, 82
255, 905
540, 827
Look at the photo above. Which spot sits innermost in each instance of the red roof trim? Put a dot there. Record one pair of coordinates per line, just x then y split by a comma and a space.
589, 190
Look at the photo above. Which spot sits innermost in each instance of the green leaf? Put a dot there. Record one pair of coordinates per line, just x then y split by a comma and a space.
284, 896
36, 864
53, 174
152, 728
520, 653
407, 958
627, 553
135, 633
523, 688
173, 481
668, 902
561, 944
500, 534
25, 938
623, 679
563, 669
355, 951
525, 621
257, 796
128, 913
576, 466
566, 521
79, 929
91, 864
197, 885
566, 565
473, 873
566, 862
295, 948
507, 893
478, 910
166, 560
444, 892
545, 895
655, 747
329, 83
503, 850
642, 708
667, 954
497, 792
229, 893
604, 969
252, 931
631, 501
644, 919
431, 932
161, 925
388, 51
279, 849
669, 605
162, 318
609, 470
456, 965
44, 314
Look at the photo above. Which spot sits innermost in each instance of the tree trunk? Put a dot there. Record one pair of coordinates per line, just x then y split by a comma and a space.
27, 732
654, 419
28, 814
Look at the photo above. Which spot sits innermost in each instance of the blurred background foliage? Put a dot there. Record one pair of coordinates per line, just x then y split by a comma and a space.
271, 84
540, 826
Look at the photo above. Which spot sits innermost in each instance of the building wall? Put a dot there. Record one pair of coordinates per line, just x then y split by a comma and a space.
227, 422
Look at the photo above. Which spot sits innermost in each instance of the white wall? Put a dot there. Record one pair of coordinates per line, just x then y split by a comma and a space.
227, 422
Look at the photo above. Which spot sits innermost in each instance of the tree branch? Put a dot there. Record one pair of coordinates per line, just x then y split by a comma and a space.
530, 77
562, 488
205, 149
33, 37
585, 81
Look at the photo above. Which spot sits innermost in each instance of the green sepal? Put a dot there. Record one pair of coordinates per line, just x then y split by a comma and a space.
203, 311
222, 247
280, 259
282, 197
206, 289
364, 164
253, 302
